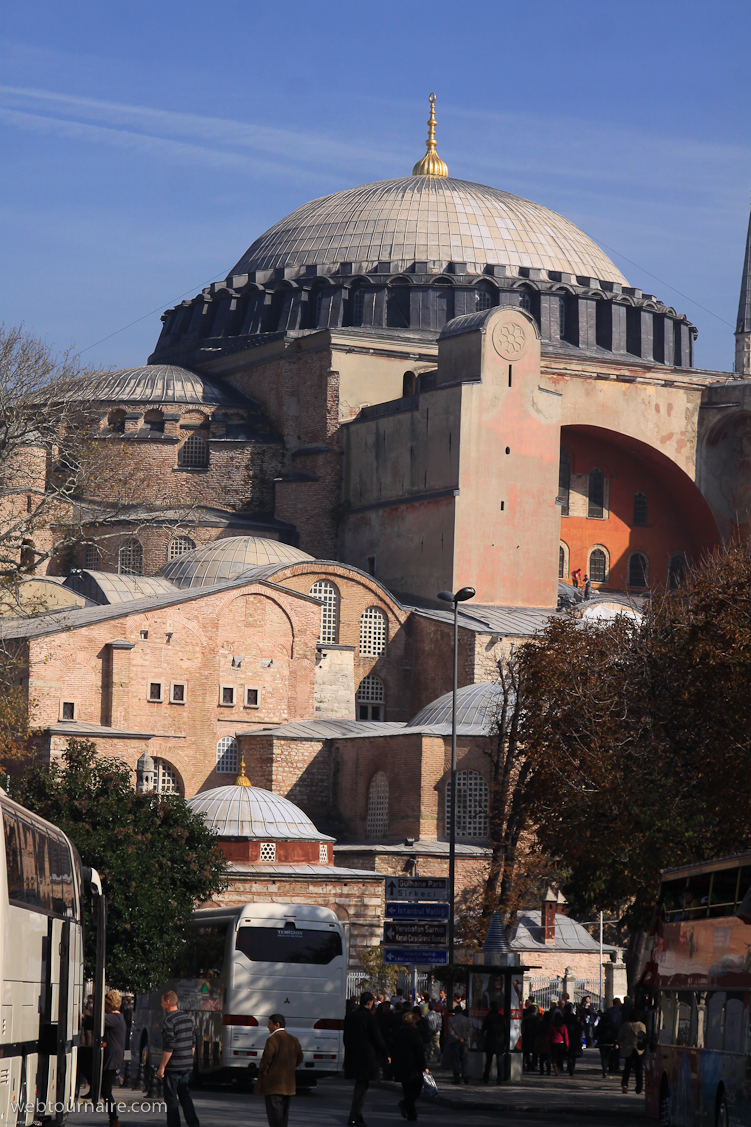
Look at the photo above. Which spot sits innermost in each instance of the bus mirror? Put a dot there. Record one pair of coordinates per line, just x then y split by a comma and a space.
744, 908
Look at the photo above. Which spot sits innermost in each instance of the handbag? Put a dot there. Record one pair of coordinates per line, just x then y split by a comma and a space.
429, 1086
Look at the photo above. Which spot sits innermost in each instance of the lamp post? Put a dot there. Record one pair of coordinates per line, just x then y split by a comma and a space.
461, 596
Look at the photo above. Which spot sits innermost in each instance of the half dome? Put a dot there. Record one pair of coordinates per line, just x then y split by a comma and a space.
154, 383
476, 707
255, 814
427, 218
227, 559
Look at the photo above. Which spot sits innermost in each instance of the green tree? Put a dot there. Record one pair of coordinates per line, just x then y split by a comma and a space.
156, 858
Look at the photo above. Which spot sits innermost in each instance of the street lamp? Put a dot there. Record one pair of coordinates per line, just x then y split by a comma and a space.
461, 596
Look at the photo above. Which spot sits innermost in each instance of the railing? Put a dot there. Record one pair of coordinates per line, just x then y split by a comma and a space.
545, 990
356, 982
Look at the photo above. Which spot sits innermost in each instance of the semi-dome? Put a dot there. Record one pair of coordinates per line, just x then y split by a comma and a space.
154, 383
255, 814
228, 559
476, 706
427, 218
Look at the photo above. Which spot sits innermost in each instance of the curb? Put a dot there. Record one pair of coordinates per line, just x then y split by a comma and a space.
445, 1099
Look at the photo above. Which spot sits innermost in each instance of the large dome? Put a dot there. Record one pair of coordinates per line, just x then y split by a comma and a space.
427, 218
249, 812
154, 383
228, 559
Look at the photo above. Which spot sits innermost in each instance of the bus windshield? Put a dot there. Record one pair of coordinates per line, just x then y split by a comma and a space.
288, 945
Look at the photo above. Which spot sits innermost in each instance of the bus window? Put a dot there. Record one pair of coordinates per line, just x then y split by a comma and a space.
744, 882
288, 945
203, 953
724, 892
39, 866
13, 862
715, 1019
698, 896
683, 1030
667, 1011
733, 1023
672, 898
698, 1034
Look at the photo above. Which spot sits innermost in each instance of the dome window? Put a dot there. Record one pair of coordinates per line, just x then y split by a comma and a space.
370, 699
378, 806
154, 421
116, 421
373, 632
357, 306
317, 309
329, 596
194, 453
178, 545
471, 805
130, 558
397, 308
483, 301
227, 755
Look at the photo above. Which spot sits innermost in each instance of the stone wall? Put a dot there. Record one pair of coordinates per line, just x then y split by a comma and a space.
335, 683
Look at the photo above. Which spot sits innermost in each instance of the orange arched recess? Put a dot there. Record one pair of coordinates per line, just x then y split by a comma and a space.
669, 519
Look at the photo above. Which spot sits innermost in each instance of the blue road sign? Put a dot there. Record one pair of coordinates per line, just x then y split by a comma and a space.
420, 956
412, 911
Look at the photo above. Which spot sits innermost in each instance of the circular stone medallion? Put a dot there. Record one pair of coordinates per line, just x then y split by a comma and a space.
510, 340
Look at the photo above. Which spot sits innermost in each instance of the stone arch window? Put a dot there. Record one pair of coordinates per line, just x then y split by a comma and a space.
598, 564
471, 805
130, 558
227, 756
564, 481
596, 494
483, 299
409, 383
563, 560
116, 421
370, 699
194, 452
640, 510
154, 421
677, 570
357, 305
397, 307
378, 805
167, 779
325, 591
178, 545
373, 632
638, 570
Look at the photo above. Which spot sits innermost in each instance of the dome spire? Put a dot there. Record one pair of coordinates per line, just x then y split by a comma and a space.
431, 164
242, 779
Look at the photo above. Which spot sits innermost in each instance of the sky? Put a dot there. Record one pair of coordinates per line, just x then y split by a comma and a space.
143, 146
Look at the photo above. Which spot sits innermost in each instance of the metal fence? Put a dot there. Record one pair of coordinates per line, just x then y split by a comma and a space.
356, 982
545, 990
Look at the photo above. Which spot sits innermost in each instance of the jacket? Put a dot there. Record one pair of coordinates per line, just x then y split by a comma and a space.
276, 1072
364, 1047
459, 1027
495, 1029
114, 1041
558, 1034
628, 1038
408, 1054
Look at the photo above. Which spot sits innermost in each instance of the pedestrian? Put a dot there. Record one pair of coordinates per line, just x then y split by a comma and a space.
113, 1046
616, 1016
85, 1049
495, 1029
627, 1007
542, 1043
458, 1038
604, 1038
587, 587
632, 1040
585, 1013
529, 1025
409, 1063
178, 1050
276, 1072
425, 1004
575, 1034
364, 1052
558, 1039
433, 1019
576, 575
398, 996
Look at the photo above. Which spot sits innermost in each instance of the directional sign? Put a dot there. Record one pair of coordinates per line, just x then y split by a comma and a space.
421, 933
417, 911
436, 958
417, 888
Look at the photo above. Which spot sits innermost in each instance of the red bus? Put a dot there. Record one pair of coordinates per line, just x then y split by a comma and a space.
697, 988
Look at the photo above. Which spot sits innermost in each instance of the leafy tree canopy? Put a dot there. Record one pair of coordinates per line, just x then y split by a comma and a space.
156, 858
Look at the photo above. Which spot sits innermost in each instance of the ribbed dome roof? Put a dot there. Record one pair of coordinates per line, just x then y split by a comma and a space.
427, 218
154, 383
249, 812
475, 707
227, 559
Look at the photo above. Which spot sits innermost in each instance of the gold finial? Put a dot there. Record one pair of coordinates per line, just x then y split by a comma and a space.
242, 780
431, 164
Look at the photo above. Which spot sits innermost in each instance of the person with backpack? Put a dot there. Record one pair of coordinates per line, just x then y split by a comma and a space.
433, 1021
632, 1041
558, 1040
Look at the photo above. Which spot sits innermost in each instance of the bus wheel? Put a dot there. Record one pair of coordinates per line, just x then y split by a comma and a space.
721, 1115
664, 1103
21, 1113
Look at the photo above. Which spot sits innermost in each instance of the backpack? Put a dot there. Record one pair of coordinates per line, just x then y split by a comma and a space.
434, 1021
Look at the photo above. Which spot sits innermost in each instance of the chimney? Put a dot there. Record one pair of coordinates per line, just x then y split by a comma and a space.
561, 904
547, 917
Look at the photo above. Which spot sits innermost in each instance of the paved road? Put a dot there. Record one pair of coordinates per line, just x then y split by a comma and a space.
328, 1105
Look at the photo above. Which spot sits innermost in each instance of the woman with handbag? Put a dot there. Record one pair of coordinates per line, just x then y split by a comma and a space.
409, 1064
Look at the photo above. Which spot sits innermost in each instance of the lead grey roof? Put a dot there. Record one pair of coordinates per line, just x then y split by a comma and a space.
107, 589
228, 558
423, 847
487, 619
154, 383
476, 706
525, 935
302, 869
82, 728
250, 812
359, 729
431, 219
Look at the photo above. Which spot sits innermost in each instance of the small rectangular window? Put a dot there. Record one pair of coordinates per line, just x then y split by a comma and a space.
68, 710
144, 635
323, 854
178, 693
227, 696
251, 698
155, 690
268, 851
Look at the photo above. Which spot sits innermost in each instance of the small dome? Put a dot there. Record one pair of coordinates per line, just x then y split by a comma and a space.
228, 559
475, 707
249, 812
154, 383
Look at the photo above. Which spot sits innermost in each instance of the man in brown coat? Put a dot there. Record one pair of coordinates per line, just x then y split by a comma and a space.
276, 1072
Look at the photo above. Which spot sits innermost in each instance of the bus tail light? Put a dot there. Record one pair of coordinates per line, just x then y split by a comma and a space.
329, 1023
239, 1019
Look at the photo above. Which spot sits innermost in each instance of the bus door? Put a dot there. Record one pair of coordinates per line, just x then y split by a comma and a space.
99, 912
53, 1018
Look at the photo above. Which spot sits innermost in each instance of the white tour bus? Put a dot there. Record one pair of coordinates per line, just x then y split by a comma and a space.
239, 966
41, 961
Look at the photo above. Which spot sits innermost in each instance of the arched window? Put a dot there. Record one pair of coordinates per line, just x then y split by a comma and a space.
370, 702
640, 509
444, 303
524, 301
564, 481
194, 452
154, 420
373, 632
317, 307
677, 569
227, 756
116, 421
397, 308
178, 545
130, 558
378, 805
167, 781
28, 555
596, 494
329, 596
597, 569
357, 306
409, 383
483, 300
563, 557
471, 805
638, 570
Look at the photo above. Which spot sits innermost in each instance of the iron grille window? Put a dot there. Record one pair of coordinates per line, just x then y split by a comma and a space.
327, 593
166, 778
378, 805
370, 698
178, 545
227, 755
524, 301
178, 693
130, 558
640, 509
638, 569
69, 710
598, 565
482, 300
194, 452
596, 494
372, 632
564, 481
358, 306
471, 805
268, 851
323, 854
91, 557
561, 563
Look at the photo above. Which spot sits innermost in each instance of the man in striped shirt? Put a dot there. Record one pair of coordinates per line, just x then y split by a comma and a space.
178, 1049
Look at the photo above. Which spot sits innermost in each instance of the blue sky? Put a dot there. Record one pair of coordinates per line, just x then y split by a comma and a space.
144, 146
